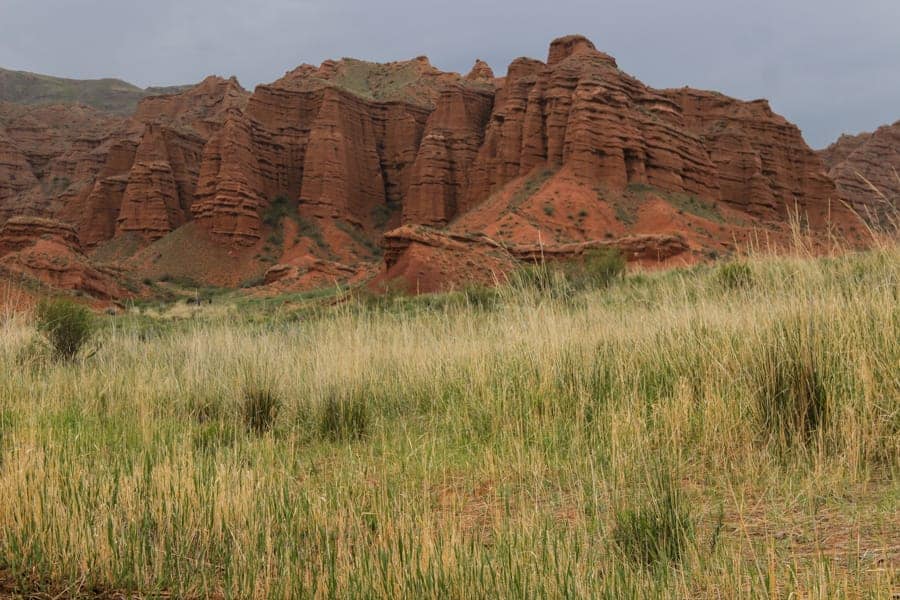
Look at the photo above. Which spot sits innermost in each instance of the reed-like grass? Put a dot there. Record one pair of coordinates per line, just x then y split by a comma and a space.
670, 435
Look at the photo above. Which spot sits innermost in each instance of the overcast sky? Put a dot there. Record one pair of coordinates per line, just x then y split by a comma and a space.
831, 66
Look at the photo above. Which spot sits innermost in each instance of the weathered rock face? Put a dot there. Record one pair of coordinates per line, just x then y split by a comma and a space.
440, 174
46, 153
763, 166
16, 176
228, 200
161, 181
481, 71
866, 169
107, 175
20, 232
567, 152
427, 260
49, 252
202, 108
334, 147
580, 111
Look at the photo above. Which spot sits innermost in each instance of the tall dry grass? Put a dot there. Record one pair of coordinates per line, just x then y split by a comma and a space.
669, 436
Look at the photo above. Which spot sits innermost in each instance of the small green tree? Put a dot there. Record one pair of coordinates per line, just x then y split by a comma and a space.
67, 325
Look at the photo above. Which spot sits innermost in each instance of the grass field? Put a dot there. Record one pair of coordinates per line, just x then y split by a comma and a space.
717, 432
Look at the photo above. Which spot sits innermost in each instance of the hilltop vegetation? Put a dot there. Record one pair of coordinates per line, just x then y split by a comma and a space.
720, 431
108, 95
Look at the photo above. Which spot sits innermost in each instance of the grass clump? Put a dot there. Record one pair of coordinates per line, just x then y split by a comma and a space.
261, 401
789, 381
598, 269
734, 275
481, 296
543, 279
67, 325
212, 435
658, 532
345, 416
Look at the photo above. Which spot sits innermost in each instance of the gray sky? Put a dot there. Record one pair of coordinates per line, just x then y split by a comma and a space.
831, 66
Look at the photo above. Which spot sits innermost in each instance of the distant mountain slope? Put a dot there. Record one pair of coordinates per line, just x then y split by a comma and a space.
109, 95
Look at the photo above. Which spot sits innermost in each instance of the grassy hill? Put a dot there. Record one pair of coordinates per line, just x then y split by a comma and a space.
109, 95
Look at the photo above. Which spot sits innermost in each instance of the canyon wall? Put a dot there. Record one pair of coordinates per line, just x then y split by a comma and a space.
354, 150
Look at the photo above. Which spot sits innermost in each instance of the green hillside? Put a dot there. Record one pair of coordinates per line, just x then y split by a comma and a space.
109, 95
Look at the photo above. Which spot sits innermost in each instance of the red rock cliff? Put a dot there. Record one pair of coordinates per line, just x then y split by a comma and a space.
866, 169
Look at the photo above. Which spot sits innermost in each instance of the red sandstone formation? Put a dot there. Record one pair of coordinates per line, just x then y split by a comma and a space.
106, 175
866, 169
49, 252
481, 71
20, 232
338, 142
429, 260
310, 172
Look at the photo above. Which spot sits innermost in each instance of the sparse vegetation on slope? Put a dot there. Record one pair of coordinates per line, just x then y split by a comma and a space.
109, 95
666, 435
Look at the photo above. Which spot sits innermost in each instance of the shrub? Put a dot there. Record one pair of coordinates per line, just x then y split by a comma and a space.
279, 208
734, 275
790, 392
658, 532
67, 325
344, 416
599, 268
261, 402
481, 296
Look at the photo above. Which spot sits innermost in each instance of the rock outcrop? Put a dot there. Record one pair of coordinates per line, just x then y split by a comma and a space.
866, 169
338, 142
20, 232
428, 260
107, 175
309, 173
49, 252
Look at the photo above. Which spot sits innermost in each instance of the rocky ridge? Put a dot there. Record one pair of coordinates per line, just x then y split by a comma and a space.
866, 170
310, 177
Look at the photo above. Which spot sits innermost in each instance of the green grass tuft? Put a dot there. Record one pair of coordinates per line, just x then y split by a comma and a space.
67, 325
659, 531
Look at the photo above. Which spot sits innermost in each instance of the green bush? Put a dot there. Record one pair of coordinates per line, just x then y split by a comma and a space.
599, 268
67, 325
279, 208
658, 532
